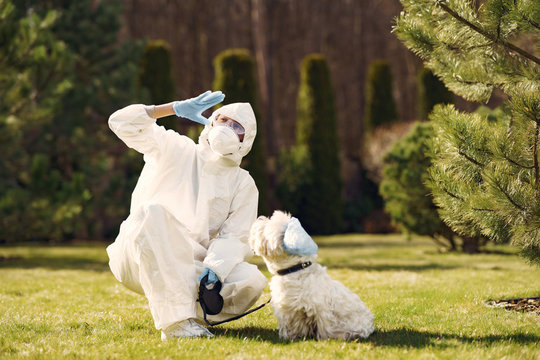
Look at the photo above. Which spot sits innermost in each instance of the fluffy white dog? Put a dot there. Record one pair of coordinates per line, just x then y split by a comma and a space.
306, 301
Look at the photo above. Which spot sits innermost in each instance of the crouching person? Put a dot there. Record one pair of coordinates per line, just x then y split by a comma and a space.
190, 214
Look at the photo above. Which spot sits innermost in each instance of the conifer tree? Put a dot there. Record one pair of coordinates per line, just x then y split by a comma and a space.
430, 92
380, 107
155, 74
35, 74
235, 76
313, 174
485, 175
105, 79
70, 155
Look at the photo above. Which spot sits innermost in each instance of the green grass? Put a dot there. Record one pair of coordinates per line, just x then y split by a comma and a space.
62, 302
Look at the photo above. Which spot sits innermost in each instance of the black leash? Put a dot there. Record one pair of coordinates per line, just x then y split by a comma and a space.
214, 323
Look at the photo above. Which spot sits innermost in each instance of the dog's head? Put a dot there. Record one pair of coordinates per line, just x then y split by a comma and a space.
281, 239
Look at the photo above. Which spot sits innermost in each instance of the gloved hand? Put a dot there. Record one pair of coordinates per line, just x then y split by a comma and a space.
212, 278
193, 108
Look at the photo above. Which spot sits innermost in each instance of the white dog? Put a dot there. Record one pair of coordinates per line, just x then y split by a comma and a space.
306, 301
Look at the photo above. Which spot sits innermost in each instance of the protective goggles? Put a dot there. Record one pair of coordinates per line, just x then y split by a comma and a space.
234, 125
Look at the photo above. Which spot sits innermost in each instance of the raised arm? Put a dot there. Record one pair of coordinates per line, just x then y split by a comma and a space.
136, 124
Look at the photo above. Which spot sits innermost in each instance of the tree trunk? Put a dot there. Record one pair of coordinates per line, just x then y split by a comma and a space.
471, 245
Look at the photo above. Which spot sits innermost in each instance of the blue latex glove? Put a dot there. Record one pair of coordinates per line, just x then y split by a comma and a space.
212, 277
193, 108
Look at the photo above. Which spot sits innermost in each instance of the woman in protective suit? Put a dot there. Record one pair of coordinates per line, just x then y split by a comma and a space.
190, 213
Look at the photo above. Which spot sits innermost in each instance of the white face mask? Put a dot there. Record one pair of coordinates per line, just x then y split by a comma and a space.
223, 140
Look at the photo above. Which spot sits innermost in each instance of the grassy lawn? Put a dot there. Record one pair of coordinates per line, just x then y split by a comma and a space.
62, 302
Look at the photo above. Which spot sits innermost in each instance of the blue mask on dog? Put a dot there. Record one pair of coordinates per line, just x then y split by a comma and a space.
297, 241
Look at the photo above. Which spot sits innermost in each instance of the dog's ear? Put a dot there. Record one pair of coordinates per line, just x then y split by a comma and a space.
296, 241
257, 241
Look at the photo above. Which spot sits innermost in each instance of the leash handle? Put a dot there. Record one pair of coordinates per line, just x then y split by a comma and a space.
214, 323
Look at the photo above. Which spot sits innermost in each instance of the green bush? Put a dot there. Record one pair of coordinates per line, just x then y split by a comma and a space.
407, 199
380, 107
155, 75
235, 76
430, 92
309, 181
407, 190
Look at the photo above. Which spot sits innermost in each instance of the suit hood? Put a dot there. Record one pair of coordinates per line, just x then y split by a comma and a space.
244, 115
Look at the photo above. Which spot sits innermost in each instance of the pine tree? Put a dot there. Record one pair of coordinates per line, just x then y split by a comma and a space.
485, 175
155, 75
313, 176
380, 105
235, 76
430, 92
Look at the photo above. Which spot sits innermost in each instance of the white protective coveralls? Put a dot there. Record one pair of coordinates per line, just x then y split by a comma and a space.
191, 209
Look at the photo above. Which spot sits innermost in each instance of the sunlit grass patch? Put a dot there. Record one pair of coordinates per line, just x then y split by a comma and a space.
63, 302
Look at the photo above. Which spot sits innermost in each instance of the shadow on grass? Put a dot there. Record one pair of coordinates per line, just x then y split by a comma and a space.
390, 267
391, 338
418, 339
249, 332
368, 244
60, 262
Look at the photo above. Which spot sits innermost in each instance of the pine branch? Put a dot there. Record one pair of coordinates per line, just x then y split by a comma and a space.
452, 195
535, 155
460, 152
466, 82
516, 163
512, 47
480, 209
499, 187
533, 23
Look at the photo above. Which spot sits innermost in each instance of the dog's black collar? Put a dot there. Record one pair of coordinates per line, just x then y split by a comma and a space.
294, 268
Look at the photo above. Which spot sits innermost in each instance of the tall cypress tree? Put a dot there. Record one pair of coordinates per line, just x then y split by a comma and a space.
430, 92
321, 205
235, 76
155, 75
485, 175
380, 107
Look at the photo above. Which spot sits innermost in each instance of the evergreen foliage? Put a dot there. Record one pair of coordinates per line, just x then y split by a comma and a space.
155, 74
408, 200
380, 107
294, 170
67, 178
430, 92
485, 175
34, 75
235, 76
310, 183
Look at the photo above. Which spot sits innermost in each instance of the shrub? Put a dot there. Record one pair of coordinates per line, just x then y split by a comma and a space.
407, 198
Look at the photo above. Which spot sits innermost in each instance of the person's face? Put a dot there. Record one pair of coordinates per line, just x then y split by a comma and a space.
222, 120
